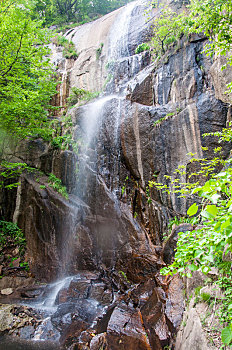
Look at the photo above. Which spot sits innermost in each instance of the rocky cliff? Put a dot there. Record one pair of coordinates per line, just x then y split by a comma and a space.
149, 117
154, 115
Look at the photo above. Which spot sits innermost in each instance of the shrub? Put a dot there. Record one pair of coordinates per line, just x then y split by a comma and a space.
56, 184
69, 47
11, 233
142, 47
78, 95
99, 51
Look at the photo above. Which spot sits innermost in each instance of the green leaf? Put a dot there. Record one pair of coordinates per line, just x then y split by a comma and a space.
206, 215
212, 210
192, 210
226, 224
192, 267
217, 227
226, 335
209, 212
197, 189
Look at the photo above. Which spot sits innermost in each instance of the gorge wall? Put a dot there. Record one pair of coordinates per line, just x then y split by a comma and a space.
108, 218
149, 118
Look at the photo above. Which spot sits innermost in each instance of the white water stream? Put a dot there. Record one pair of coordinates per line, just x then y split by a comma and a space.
92, 117
93, 114
118, 38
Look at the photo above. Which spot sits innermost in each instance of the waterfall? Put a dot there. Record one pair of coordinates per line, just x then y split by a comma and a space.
118, 37
99, 227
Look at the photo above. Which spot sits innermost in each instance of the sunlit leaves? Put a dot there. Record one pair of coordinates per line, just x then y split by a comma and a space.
226, 335
192, 210
26, 86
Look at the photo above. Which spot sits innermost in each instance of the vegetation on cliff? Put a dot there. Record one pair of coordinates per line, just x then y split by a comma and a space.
210, 244
12, 249
211, 17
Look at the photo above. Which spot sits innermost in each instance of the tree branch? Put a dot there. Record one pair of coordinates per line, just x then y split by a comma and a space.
17, 53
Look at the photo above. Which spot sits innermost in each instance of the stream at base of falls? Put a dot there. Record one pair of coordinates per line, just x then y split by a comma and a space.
7, 343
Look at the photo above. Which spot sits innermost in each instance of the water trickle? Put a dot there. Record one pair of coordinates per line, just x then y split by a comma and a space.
92, 117
63, 85
118, 39
49, 303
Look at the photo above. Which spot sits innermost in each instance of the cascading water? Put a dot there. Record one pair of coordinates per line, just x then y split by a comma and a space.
90, 121
118, 38
122, 42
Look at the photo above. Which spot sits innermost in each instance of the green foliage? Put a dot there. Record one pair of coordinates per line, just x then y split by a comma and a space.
167, 29
124, 276
10, 233
63, 135
62, 142
197, 250
204, 247
177, 221
142, 47
167, 116
192, 210
80, 11
99, 51
171, 114
211, 17
25, 265
205, 297
159, 121
60, 40
12, 171
69, 47
227, 335
56, 184
123, 188
26, 86
78, 95
175, 184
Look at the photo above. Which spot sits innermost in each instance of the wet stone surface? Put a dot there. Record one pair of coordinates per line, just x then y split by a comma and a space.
92, 311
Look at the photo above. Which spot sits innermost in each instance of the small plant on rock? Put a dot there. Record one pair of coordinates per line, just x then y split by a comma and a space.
56, 184
69, 47
99, 51
142, 47
78, 95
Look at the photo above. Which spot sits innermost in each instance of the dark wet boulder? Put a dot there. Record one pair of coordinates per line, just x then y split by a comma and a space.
125, 330
154, 320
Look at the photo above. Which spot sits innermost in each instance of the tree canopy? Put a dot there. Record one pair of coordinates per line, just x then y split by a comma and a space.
78, 11
26, 86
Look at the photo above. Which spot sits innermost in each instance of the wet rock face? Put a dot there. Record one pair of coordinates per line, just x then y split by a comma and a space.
125, 330
156, 140
149, 132
116, 62
44, 216
113, 222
